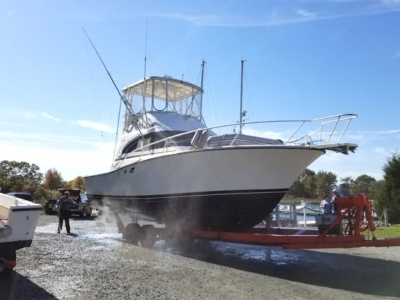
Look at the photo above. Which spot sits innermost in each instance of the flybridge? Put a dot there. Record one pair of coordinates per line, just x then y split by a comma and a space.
163, 94
163, 88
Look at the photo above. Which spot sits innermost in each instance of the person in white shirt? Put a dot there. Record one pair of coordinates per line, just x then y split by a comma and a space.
326, 205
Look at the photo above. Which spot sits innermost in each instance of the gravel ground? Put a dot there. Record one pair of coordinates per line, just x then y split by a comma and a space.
95, 263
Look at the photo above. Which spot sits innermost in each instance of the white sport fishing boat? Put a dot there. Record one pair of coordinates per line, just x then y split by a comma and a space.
18, 220
172, 169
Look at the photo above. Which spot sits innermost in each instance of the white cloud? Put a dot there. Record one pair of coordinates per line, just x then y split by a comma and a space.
352, 165
29, 114
38, 138
273, 18
23, 114
391, 2
379, 150
306, 14
266, 134
391, 131
330, 156
70, 163
94, 125
49, 117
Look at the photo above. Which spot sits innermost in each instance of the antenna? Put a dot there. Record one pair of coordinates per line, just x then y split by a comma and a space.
145, 53
242, 112
203, 63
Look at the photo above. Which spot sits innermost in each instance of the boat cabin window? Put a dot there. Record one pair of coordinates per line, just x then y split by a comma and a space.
131, 146
144, 141
184, 140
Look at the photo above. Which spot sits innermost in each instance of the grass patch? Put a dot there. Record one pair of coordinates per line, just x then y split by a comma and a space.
386, 232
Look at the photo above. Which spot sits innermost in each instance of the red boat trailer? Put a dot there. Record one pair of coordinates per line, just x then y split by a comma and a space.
343, 229
353, 217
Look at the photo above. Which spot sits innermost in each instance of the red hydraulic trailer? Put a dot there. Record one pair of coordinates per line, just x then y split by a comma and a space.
344, 229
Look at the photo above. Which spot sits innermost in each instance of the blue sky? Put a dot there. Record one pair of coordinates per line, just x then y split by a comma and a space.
304, 59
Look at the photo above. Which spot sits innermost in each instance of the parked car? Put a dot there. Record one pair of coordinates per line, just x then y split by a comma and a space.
22, 195
49, 207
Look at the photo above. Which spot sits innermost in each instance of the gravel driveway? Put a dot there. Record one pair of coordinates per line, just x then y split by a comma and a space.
95, 263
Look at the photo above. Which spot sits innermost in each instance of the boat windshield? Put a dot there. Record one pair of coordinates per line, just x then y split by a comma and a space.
182, 140
154, 137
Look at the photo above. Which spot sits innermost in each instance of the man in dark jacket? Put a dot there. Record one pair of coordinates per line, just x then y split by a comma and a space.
63, 205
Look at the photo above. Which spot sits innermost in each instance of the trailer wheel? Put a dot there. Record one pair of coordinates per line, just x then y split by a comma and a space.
132, 233
148, 236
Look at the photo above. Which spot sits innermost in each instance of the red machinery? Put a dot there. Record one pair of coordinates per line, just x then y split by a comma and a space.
341, 230
354, 216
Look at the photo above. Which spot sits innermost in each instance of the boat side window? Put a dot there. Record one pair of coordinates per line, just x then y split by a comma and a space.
144, 141
130, 147
157, 136
183, 140
153, 137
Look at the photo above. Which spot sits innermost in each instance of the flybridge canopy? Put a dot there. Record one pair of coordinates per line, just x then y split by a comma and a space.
162, 94
164, 88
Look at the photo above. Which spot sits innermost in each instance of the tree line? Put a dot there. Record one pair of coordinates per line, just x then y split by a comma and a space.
313, 185
385, 193
25, 177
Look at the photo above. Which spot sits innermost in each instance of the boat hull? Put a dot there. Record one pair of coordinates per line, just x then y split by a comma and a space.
228, 189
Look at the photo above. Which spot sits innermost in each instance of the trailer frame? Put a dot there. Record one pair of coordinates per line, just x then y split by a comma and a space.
353, 217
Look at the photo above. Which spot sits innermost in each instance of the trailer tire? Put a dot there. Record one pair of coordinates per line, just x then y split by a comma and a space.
132, 233
148, 236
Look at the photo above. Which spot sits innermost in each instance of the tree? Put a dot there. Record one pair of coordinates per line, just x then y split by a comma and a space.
324, 182
53, 180
364, 184
389, 193
346, 185
308, 180
79, 183
42, 193
19, 176
303, 185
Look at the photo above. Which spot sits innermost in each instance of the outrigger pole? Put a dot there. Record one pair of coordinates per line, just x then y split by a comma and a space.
124, 100
128, 107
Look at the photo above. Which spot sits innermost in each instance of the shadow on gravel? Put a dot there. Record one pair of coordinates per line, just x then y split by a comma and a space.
18, 287
371, 276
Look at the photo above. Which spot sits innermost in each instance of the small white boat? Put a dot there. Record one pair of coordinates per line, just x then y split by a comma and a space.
301, 209
307, 223
18, 220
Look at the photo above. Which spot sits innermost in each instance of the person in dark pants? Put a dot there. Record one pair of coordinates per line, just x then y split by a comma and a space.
64, 203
